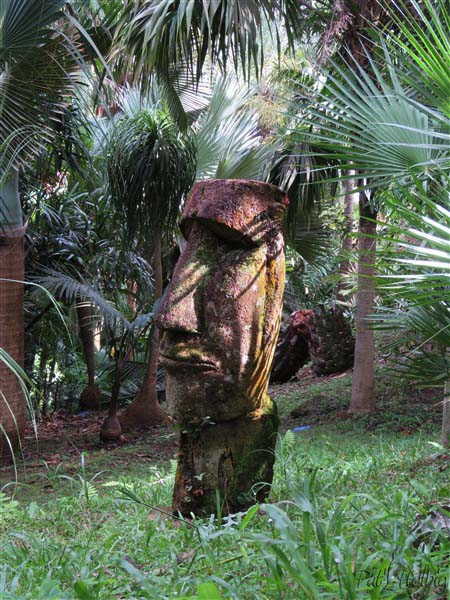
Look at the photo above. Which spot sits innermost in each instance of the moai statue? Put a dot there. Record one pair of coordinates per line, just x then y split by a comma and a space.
219, 324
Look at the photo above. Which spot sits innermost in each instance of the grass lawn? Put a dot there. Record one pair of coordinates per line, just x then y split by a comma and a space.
348, 515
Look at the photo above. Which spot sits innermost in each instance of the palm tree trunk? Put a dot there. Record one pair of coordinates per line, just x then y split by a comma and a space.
145, 410
363, 386
111, 430
90, 397
13, 411
364, 13
132, 303
86, 337
445, 432
350, 200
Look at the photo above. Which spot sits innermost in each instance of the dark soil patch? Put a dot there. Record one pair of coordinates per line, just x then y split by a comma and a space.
61, 438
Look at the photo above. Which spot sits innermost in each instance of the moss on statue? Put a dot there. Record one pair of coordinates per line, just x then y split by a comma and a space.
219, 323
226, 467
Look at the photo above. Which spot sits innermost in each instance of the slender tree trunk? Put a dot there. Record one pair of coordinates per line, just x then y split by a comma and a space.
111, 430
131, 301
445, 432
350, 200
91, 395
87, 342
363, 386
145, 410
358, 16
13, 411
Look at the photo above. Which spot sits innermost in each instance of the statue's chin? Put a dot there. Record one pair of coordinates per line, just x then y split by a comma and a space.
205, 396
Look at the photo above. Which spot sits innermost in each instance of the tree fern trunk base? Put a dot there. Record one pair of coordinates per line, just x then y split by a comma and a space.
143, 413
90, 398
111, 431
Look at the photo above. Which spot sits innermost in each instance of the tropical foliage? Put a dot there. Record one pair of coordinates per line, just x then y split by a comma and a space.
388, 123
38, 65
109, 111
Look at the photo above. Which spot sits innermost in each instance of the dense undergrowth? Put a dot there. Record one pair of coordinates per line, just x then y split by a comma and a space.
349, 506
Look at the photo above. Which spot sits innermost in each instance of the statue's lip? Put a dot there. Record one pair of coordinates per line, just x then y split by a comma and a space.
177, 362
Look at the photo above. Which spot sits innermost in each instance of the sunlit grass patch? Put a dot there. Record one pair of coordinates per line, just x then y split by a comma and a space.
339, 524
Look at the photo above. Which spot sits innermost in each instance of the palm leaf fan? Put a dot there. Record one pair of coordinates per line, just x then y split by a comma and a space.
371, 121
228, 136
37, 69
157, 35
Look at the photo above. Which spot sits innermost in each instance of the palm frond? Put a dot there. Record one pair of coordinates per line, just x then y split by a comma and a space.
175, 94
417, 264
73, 231
68, 289
429, 368
37, 69
24, 24
306, 177
310, 237
228, 138
376, 118
416, 267
425, 41
157, 35
150, 166
375, 128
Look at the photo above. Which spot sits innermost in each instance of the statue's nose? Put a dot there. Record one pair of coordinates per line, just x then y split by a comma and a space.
181, 309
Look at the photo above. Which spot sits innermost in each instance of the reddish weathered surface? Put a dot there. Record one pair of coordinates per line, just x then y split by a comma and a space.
220, 320
240, 211
13, 410
292, 351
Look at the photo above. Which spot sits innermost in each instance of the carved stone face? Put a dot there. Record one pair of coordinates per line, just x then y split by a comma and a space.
221, 314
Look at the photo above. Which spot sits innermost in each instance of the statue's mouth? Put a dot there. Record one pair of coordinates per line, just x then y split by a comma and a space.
181, 351
180, 362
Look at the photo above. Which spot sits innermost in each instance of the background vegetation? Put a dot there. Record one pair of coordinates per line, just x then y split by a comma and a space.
109, 112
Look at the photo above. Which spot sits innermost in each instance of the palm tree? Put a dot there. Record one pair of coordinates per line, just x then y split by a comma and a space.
150, 167
417, 278
154, 36
35, 76
382, 126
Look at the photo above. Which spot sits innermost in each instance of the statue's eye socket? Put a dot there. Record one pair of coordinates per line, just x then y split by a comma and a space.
231, 237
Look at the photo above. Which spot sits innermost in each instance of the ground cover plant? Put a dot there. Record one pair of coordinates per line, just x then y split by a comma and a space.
348, 515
